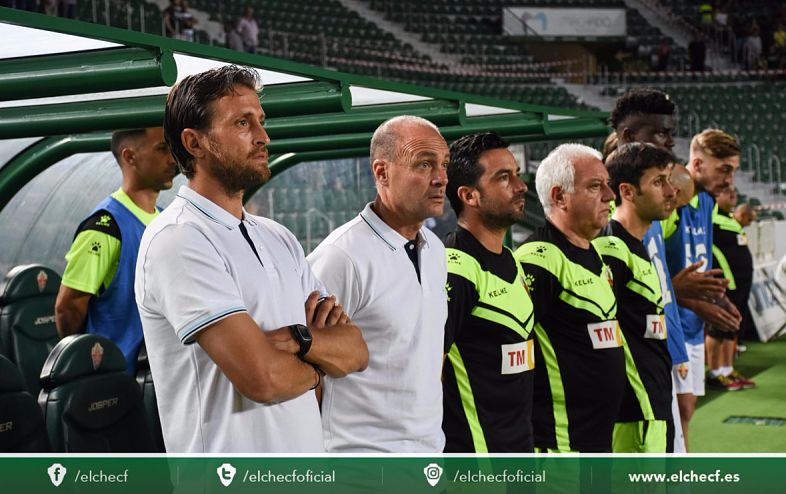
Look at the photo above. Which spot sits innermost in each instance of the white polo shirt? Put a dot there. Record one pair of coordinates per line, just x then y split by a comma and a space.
395, 405
195, 268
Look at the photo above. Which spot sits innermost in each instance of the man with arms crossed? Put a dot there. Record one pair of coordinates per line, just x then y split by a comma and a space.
580, 373
389, 272
234, 355
96, 294
639, 176
487, 378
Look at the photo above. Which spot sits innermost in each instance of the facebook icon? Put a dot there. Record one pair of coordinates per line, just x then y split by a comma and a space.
57, 473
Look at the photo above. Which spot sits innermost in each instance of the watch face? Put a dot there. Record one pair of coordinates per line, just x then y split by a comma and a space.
304, 332
303, 336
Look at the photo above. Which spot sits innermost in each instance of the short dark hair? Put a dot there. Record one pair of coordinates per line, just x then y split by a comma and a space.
463, 168
640, 101
120, 137
189, 105
628, 162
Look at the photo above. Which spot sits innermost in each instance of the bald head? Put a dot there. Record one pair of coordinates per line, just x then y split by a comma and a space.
682, 181
390, 132
745, 214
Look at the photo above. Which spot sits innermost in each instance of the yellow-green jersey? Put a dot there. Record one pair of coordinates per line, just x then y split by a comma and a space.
94, 255
580, 377
488, 374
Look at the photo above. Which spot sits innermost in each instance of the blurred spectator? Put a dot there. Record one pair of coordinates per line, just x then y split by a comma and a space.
706, 16
721, 18
779, 45
659, 60
751, 50
248, 29
697, 50
49, 7
722, 26
68, 8
187, 22
232, 38
172, 18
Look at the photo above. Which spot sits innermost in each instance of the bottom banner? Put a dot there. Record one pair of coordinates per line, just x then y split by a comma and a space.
542, 474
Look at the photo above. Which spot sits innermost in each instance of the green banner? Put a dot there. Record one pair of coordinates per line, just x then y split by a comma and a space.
543, 474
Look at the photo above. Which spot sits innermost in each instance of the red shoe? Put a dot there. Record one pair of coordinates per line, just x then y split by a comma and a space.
744, 381
725, 383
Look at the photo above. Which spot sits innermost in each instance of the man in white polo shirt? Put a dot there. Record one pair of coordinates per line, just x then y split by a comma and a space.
233, 352
389, 272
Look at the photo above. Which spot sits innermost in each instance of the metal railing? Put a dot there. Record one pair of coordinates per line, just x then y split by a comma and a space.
776, 162
319, 214
755, 166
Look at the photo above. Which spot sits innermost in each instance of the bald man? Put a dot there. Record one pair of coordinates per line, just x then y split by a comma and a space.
390, 272
683, 185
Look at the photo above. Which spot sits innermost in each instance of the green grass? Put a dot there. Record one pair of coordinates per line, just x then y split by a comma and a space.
766, 364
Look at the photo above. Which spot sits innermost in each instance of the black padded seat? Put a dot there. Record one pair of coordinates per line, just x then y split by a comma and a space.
90, 402
145, 380
27, 319
22, 427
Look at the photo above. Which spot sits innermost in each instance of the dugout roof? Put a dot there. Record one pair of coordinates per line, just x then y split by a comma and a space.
65, 85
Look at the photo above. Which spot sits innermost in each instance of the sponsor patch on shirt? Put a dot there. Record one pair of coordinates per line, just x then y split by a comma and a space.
656, 327
518, 357
605, 334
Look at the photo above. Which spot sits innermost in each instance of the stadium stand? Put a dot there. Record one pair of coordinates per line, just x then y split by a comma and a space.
90, 403
27, 320
21, 423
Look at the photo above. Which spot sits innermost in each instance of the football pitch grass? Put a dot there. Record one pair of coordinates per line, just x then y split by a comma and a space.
752, 429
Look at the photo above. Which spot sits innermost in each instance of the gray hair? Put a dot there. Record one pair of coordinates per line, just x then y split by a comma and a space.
383, 142
558, 169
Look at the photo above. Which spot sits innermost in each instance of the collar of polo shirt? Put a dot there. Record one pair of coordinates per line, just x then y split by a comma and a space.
211, 209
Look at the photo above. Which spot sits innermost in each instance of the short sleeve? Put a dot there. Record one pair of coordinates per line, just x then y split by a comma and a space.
183, 278
462, 297
92, 261
333, 267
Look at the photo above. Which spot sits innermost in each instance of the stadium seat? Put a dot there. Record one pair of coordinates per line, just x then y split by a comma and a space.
145, 380
90, 403
21, 424
27, 319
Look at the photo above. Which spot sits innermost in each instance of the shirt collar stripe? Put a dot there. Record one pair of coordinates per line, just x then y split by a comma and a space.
377, 233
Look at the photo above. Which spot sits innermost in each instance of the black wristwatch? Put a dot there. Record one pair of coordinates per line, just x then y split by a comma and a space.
302, 335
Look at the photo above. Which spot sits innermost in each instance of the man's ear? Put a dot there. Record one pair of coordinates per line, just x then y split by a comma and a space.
558, 197
128, 155
627, 191
625, 136
193, 142
379, 168
468, 195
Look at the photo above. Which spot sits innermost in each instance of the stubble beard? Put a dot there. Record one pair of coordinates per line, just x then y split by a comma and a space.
234, 174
